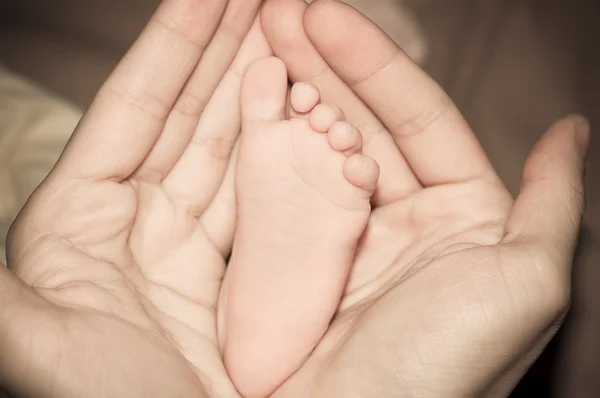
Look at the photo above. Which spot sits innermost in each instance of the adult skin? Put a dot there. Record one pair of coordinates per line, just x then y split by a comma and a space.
457, 287
120, 253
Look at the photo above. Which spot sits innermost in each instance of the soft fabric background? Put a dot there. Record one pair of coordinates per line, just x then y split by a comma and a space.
512, 66
34, 127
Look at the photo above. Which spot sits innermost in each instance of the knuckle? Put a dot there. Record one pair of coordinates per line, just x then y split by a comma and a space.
218, 147
425, 119
135, 100
190, 104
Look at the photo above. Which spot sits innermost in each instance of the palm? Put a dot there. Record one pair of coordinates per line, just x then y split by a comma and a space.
449, 283
428, 247
407, 235
123, 245
145, 279
448, 296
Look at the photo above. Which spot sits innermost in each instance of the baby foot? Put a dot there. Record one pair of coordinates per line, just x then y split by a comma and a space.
303, 189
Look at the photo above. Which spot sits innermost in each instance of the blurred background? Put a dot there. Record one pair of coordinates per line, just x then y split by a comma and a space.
512, 66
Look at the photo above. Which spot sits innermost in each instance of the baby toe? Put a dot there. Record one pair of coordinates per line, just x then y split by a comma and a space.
324, 115
264, 91
362, 171
344, 137
304, 97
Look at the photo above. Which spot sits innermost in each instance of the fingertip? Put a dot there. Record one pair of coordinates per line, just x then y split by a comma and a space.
561, 150
322, 9
333, 22
282, 21
551, 201
583, 135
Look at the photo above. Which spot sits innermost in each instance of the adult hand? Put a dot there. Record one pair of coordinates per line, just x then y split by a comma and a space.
119, 254
457, 287
102, 312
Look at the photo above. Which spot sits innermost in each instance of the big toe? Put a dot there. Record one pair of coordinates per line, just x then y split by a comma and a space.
264, 91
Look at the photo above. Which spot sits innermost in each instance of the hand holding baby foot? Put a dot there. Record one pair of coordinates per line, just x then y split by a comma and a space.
456, 287
119, 255
303, 196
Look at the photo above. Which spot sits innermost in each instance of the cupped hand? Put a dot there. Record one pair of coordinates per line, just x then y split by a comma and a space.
456, 287
119, 254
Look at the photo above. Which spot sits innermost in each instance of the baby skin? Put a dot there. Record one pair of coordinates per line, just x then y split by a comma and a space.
303, 191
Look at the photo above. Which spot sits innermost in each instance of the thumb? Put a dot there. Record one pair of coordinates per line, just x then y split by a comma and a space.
550, 205
546, 217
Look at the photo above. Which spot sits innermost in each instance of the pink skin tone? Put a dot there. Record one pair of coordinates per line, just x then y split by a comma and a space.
304, 190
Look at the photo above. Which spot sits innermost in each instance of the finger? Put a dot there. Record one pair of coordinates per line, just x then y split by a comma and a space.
550, 205
183, 120
197, 175
429, 130
283, 24
220, 218
130, 110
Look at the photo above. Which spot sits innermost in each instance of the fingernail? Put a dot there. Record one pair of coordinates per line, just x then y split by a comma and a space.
582, 135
